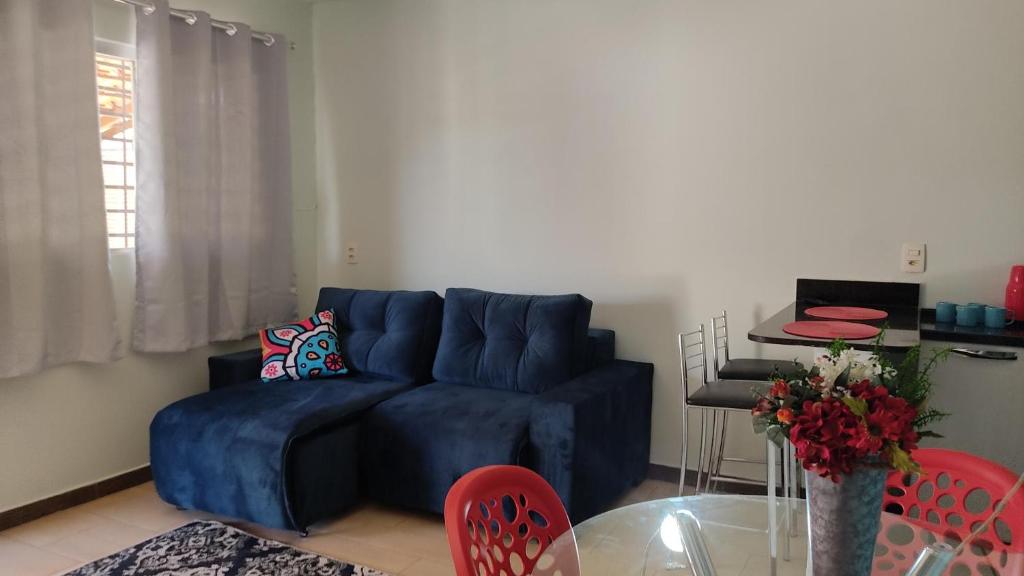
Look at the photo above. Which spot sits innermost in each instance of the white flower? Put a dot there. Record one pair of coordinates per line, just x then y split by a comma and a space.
829, 369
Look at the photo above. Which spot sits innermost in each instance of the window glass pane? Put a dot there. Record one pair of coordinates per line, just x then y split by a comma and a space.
113, 150
113, 174
115, 199
114, 81
115, 223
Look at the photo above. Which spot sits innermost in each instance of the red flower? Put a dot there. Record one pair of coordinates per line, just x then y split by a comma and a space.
835, 434
889, 418
333, 362
828, 437
785, 416
779, 389
763, 406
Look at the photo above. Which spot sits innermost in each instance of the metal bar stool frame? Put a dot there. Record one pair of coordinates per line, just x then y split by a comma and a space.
693, 358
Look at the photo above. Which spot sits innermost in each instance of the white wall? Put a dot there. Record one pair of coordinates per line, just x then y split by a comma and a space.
670, 158
77, 424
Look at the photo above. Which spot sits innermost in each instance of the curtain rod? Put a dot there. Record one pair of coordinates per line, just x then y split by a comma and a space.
190, 18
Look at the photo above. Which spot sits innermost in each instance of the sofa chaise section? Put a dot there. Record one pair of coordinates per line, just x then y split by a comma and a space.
285, 454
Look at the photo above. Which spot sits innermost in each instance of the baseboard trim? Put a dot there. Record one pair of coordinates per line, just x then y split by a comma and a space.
38, 509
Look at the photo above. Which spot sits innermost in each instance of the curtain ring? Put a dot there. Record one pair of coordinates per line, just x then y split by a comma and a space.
232, 30
269, 41
149, 10
191, 19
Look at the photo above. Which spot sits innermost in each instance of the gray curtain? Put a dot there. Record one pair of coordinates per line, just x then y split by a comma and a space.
213, 224
56, 298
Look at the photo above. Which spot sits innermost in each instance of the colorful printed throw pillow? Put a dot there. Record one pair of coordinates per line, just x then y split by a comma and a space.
306, 349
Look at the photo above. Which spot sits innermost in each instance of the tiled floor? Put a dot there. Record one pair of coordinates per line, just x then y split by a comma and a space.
399, 542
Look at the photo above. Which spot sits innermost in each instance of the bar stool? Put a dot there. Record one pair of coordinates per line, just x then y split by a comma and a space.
761, 369
719, 397
725, 396
743, 368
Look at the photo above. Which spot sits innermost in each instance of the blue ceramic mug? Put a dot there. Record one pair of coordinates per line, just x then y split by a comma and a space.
969, 315
996, 317
945, 313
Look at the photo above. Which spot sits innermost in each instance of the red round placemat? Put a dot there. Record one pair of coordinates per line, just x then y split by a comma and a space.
846, 313
831, 329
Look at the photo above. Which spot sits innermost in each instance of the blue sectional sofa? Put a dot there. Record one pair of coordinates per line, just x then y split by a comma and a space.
435, 388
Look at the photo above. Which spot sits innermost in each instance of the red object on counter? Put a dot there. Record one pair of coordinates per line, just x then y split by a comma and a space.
846, 313
831, 329
1015, 291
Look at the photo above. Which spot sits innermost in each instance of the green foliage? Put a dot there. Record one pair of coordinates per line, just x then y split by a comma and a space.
836, 347
777, 435
912, 381
761, 423
856, 405
901, 460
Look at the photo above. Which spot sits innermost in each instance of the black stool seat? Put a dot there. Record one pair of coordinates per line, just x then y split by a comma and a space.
757, 368
735, 394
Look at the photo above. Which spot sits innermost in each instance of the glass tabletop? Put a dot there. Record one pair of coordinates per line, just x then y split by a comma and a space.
644, 539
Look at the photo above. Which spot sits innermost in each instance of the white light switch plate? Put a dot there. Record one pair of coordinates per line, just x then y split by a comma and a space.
912, 257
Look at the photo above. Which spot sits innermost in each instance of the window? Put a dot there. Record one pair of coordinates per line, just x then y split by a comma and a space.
114, 81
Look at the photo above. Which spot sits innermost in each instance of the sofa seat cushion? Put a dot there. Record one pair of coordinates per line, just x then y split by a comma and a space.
416, 445
227, 451
512, 342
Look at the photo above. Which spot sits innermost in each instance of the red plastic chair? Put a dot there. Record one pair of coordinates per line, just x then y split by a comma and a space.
501, 519
955, 492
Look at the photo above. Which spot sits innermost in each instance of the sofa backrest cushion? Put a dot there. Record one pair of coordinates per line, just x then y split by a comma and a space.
600, 347
512, 342
386, 334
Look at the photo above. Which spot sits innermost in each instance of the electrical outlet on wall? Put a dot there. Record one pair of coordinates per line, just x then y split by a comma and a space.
351, 253
912, 257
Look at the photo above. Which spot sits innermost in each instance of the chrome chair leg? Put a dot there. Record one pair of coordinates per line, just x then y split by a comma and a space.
773, 535
712, 443
686, 445
703, 440
794, 471
787, 481
721, 451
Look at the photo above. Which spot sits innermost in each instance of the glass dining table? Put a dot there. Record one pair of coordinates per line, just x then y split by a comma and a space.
646, 539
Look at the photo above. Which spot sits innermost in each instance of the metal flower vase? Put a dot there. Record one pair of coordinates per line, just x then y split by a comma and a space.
844, 520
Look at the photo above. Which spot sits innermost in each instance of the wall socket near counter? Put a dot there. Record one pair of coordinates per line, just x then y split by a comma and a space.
912, 257
351, 253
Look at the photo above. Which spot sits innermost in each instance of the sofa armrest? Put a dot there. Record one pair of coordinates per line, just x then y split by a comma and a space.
235, 368
590, 438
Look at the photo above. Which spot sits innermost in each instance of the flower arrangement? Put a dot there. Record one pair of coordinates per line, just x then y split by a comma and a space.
848, 411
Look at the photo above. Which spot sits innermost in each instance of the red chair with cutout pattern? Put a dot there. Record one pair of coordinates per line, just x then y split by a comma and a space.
502, 520
955, 492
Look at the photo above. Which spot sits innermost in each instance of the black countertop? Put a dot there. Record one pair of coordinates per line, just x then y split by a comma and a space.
1012, 335
901, 329
905, 327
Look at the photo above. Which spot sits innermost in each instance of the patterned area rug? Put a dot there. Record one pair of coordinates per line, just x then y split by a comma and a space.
208, 548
